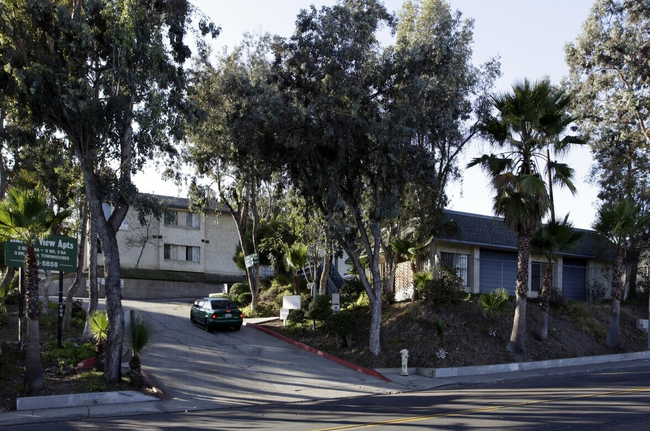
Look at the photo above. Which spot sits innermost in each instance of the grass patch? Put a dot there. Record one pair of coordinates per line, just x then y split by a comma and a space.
584, 320
69, 353
94, 381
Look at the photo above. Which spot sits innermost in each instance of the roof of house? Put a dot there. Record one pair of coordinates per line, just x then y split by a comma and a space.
180, 203
492, 232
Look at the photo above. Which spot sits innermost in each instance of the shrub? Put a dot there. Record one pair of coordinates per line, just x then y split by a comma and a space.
494, 304
282, 282
362, 300
350, 292
237, 289
296, 316
446, 288
264, 309
343, 325
245, 298
271, 293
68, 354
595, 291
557, 300
320, 308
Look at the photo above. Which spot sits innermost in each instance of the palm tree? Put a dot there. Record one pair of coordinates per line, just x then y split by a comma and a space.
550, 240
25, 216
529, 120
295, 258
139, 333
618, 222
494, 304
98, 327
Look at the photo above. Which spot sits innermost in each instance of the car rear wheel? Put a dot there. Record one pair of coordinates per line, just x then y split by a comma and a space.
207, 327
191, 317
237, 328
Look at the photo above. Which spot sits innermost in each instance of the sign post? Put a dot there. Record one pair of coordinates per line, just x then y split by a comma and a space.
58, 253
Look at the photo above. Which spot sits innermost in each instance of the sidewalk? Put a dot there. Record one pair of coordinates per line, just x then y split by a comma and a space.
113, 404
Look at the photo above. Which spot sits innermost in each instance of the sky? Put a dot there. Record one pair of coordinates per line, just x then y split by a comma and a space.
527, 35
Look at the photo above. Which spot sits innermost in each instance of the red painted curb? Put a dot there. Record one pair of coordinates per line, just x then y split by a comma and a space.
325, 355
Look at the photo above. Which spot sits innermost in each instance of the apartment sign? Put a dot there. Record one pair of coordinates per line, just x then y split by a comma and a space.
56, 253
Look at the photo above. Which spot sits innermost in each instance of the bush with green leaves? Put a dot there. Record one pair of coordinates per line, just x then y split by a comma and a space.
350, 292
440, 326
69, 353
245, 298
446, 287
342, 324
282, 282
98, 325
264, 309
140, 331
320, 308
494, 304
237, 289
296, 317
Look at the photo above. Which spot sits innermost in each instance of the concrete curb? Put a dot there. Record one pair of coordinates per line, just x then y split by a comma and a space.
77, 400
325, 355
521, 366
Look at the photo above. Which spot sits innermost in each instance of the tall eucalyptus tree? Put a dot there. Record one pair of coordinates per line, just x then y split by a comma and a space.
233, 140
375, 131
110, 77
609, 75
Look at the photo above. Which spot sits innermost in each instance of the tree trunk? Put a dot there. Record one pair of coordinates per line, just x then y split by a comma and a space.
113, 295
545, 302
517, 344
93, 288
390, 280
34, 379
79, 275
375, 322
632, 265
106, 230
614, 325
617, 291
325, 275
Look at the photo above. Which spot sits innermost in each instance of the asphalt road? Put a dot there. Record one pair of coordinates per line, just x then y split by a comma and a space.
599, 401
201, 370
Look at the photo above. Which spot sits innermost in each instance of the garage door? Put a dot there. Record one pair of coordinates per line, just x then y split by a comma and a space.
498, 269
574, 278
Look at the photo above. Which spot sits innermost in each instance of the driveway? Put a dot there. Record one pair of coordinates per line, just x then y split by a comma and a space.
201, 370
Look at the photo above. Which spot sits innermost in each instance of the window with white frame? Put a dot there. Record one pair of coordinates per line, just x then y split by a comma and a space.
458, 261
182, 252
193, 220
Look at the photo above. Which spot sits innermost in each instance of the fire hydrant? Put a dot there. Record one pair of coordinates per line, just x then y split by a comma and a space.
405, 360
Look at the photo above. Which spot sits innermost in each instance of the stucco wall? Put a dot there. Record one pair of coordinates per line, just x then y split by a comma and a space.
216, 238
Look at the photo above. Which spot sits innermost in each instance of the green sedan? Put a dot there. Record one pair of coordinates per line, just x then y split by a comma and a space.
216, 312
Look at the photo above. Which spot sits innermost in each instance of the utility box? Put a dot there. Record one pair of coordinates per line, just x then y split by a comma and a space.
336, 302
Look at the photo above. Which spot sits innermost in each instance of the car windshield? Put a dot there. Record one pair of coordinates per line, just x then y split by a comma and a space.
220, 305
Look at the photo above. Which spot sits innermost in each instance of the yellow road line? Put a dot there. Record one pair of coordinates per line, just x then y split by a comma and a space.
480, 410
